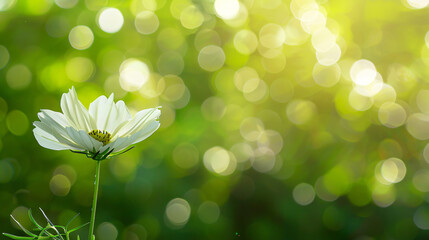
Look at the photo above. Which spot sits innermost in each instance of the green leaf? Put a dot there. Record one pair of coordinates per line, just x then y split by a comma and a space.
71, 220
45, 231
16, 237
33, 220
121, 152
52, 225
47, 219
78, 238
81, 152
23, 228
79, 227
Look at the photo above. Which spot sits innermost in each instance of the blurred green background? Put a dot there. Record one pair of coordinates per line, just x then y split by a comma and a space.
280, 119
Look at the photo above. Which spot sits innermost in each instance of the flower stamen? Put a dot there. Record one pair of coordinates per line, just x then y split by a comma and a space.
101, 136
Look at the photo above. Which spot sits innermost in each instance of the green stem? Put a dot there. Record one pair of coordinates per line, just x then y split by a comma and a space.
94, 201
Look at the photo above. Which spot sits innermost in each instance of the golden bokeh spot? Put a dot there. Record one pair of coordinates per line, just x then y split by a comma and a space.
101, 136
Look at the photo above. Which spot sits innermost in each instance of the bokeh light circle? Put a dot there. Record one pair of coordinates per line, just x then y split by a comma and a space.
7, 4
110, 20
220, 161
226, 9
133, 74
146, 22
418, 126
360, 102
313, 20
422, 100
264, 160
107, 231
294, 34
81, 37
191, 17
421, 218
213, 108
330, 56
66, 3
418, 4
326, 76
18, 77
245, 41
363, 72
4, 56
300, 111
178, 212
392, 115
17, 122
211, 58
60, 185
303, 194
386, 94
393, 170
421, 180
322, 40
208, 212
271, 35
372, 88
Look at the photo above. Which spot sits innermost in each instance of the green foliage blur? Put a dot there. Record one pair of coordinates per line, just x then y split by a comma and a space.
301, 119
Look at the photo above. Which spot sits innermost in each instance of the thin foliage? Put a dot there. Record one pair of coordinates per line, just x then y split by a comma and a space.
50, 231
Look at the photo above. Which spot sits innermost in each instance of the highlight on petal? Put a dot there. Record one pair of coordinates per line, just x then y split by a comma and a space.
107, 115
65, 140
146, 132
54, 124
46, 140
140, 121
83, 139
75, 112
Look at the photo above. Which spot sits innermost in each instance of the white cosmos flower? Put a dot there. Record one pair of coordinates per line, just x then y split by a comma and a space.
107, 128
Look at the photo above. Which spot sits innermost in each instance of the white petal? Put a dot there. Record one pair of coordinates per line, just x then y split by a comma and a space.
57, 117
124, 113
107, 115
57, 123
141, 119
54, 134
75, 112
123, 142
83, 139
124, 117
46, 140
118, 144
100, 111
144, 133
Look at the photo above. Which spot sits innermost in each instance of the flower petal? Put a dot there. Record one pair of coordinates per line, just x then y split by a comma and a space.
46, 140
141, 119
75, 113
107, 115
54, 120
124, 117
144, 133
119, 144
123, 142
101, 110
83, 139
48, 128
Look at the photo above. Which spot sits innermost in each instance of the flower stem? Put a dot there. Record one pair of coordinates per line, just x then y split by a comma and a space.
94, 201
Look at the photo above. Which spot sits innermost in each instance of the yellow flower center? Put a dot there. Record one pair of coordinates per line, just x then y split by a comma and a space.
101, 136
